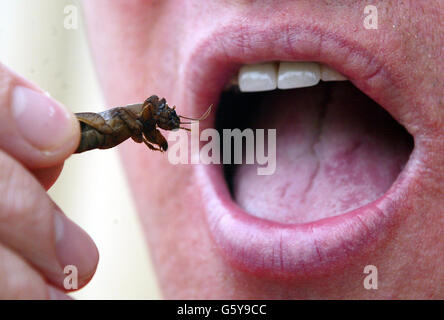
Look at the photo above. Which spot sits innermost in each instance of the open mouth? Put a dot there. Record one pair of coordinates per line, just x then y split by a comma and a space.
337, 150
344, 163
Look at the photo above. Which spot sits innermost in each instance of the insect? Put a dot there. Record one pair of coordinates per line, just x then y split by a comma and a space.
109, 128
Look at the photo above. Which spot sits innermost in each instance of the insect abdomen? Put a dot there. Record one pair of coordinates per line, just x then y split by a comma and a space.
91, 139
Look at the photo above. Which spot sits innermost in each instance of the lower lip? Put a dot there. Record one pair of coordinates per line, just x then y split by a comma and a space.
264, 247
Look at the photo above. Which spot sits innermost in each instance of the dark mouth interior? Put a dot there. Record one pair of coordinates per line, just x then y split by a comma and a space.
336, 150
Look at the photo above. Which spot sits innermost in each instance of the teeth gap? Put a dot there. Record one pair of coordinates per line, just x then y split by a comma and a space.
281, 75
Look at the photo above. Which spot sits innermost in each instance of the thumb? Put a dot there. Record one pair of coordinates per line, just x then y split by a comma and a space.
34, 128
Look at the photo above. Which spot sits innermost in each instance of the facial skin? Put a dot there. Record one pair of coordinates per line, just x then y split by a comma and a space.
147, 47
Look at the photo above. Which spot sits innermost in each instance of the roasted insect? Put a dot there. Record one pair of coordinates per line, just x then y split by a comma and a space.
109, 128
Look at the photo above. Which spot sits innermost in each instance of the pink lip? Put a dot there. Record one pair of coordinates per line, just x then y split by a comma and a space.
299, 250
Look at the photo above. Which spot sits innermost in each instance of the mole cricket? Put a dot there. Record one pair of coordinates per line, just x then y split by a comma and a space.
111, 127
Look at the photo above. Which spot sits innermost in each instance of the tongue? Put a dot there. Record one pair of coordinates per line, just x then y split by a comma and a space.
336, 150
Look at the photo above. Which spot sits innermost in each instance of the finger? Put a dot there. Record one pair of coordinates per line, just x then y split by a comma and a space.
35, 129
56, 294
47, 176
18, 280
34, 227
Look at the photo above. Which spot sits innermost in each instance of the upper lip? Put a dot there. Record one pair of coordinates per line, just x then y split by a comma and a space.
300, 250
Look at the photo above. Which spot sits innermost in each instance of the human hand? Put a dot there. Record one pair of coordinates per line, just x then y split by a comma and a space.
36, 239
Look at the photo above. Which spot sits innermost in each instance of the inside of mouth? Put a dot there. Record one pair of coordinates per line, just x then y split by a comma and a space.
336, 150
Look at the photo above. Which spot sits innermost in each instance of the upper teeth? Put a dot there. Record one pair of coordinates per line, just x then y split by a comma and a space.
328, 74
298, 74
257, 77
284, 75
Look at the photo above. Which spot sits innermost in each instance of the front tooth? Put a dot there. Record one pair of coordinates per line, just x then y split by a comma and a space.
298, 74
328, 74
257, 77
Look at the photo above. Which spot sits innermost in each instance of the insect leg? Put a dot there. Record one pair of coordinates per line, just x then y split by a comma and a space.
149, 145
137, 137
130, 119
155, 137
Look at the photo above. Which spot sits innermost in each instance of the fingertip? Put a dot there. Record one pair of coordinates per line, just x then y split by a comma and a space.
36, 129
75, 248
44, 123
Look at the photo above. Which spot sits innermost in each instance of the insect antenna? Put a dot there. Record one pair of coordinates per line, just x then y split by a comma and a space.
203, 117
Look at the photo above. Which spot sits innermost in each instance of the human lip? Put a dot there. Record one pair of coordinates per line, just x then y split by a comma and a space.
299, 250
